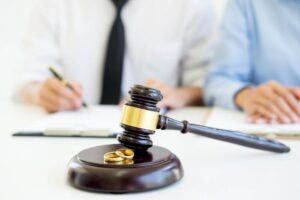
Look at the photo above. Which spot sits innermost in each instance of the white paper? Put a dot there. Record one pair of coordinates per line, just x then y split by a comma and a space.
87, 121
236, 121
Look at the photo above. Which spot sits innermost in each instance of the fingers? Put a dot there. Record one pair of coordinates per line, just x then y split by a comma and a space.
257, 119
166, 103
77, 89
287, 96
62, 91
273, 102
265, 112
123, 101
153, 83
285, 101
49, 107
276, 106
54, 96
159, 85
56, 101
258, 103
163, 88
172, 96
295, 92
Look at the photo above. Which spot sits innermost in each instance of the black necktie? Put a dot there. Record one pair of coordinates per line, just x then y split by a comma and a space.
111, 89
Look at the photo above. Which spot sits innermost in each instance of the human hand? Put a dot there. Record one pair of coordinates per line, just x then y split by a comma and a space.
53, 96
175, 97
270, 103
296, 92
123, 101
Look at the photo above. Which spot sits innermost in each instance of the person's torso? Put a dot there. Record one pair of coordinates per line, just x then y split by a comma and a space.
274, 29
154, 36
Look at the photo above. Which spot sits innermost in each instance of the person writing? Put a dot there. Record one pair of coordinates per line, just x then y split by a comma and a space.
104, 47
256, 68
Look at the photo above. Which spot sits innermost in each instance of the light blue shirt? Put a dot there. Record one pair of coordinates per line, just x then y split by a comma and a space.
260, 41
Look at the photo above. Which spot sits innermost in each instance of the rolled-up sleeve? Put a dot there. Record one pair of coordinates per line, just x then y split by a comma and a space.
230, 70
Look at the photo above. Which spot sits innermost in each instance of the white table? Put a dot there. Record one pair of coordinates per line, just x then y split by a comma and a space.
35, 168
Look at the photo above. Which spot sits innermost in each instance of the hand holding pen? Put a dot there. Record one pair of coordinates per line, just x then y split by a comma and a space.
74, 88
57, 94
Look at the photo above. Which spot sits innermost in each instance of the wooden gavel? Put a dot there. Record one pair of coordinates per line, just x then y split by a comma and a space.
140, 118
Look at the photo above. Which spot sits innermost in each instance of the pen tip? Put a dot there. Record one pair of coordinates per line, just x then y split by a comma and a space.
84, 104
50, 67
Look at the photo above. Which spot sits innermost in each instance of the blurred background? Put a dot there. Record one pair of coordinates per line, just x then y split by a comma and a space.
13, 21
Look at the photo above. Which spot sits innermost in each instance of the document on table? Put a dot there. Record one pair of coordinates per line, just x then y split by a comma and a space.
88, 122
236, 121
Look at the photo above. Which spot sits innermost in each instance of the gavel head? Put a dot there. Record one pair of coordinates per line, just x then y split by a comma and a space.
140, 117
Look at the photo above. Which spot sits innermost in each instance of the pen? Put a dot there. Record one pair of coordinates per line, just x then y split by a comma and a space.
64, 82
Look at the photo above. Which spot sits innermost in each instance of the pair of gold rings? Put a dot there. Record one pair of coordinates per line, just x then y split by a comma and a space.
120, 156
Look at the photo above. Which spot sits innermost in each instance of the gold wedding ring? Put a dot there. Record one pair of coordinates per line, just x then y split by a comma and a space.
128, 162
125, 153
119, 157
115, 163
112, 157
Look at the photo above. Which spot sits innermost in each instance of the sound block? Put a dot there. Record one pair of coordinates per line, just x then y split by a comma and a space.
153, 169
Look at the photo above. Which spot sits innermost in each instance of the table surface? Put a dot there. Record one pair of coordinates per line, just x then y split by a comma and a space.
35, 168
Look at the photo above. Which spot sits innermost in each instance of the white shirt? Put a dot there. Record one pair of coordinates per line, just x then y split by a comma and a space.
165, 39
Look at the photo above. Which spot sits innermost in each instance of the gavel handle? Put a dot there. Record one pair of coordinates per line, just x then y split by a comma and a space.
252, 141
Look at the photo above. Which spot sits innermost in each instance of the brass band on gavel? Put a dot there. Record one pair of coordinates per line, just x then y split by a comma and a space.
139, 118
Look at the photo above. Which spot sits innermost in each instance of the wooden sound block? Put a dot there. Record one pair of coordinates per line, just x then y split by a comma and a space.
156, 168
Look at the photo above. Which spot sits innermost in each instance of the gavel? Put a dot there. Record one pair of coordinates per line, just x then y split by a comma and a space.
141, 118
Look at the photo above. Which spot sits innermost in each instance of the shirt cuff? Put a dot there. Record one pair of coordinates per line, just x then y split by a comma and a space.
223, 93
232, 91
